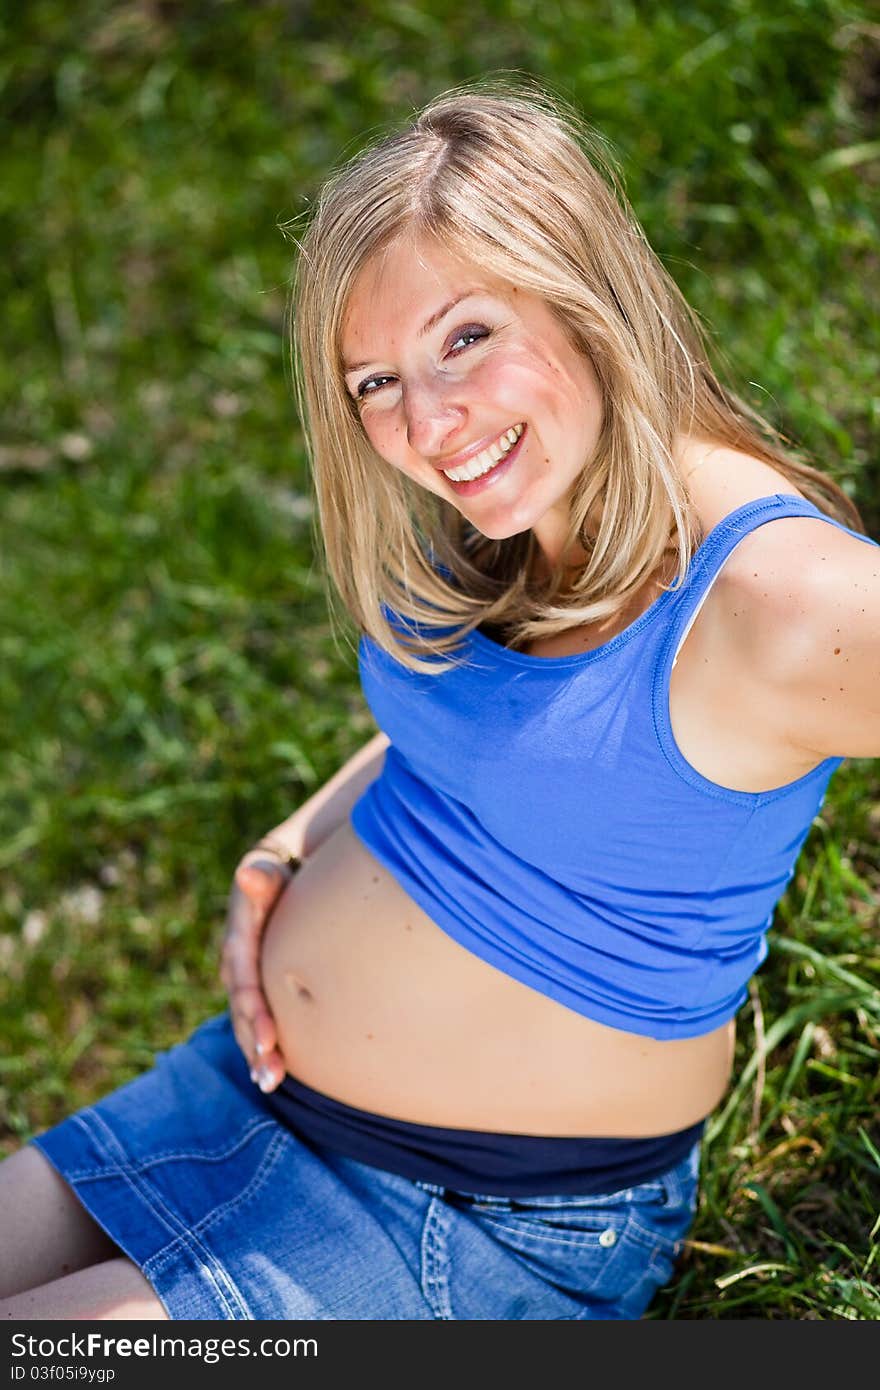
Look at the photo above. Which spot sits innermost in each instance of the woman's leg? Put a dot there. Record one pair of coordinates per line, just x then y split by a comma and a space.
55, 1261
47, 1233
110, 1290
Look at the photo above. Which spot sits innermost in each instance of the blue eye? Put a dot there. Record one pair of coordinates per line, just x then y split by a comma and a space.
461, 340
370, 385
468, 335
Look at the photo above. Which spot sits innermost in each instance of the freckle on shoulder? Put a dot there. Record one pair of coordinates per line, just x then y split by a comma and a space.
766, 565
762, 606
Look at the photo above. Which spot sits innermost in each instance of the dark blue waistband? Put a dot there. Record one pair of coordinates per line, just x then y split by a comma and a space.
479, 1161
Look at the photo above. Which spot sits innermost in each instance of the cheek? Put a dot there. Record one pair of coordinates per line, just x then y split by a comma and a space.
385, 434
512, 385
533, 378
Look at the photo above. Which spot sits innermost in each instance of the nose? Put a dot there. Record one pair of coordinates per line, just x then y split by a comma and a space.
434, 412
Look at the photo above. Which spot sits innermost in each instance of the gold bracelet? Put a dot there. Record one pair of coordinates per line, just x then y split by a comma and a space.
292, 861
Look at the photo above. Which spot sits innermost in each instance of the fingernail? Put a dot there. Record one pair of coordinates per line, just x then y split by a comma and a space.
259, 1049
264, 1079
254, 1076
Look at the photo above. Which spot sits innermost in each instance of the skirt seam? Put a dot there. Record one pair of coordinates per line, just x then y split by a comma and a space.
435, 1260
219, 1213
211, 1155
229, 1297
218, 1155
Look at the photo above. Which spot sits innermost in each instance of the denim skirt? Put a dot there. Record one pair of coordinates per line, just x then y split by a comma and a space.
231, 1215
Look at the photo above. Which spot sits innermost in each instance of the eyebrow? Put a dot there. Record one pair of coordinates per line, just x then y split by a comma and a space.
425, 328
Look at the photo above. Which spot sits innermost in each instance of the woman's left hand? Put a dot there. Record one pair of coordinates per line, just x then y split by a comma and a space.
259, 880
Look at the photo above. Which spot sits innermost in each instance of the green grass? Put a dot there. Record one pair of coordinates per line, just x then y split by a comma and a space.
168, 683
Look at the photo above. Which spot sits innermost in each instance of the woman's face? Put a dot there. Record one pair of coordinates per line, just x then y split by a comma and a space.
456, 374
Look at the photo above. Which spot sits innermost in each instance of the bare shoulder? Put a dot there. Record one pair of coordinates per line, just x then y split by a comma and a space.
785, 573
794, 611
799, 566
799, 599
719, 479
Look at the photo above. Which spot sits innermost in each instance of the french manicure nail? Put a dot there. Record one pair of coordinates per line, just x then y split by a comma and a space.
264, 1078
259, 1049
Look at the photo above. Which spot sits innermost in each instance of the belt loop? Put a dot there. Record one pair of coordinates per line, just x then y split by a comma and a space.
430, 1187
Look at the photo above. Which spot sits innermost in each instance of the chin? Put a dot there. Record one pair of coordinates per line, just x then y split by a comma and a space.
498, 533
513, 523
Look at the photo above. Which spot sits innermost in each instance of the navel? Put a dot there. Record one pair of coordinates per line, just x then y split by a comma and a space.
295, 983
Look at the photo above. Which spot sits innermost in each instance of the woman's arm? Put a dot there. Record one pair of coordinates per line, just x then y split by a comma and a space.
259, 879
805, 617
312, 822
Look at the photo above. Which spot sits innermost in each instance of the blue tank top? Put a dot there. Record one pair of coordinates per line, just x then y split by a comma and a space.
540, 812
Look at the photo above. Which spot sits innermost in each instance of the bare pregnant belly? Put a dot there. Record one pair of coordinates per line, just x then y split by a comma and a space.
379, 1008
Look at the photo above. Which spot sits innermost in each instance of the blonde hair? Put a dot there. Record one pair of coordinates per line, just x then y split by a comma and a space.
514, 183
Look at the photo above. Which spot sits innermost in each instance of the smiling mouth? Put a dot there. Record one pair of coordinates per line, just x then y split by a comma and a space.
487, 458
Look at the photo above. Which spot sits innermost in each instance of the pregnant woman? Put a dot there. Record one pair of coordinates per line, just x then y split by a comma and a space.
616, 639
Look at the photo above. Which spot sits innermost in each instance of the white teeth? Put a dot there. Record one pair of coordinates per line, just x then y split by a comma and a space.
487, 458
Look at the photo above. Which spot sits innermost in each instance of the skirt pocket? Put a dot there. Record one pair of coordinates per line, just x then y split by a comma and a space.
615, 1248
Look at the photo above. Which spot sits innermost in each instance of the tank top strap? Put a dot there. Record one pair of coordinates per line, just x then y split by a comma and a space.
710, 556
